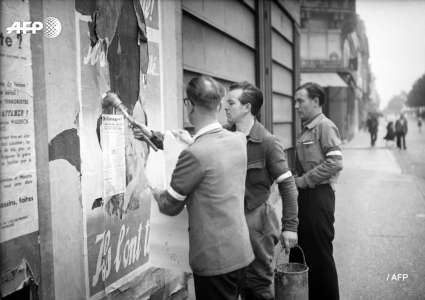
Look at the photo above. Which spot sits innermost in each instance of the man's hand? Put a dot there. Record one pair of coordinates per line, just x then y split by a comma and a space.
288, 239
138, 133
183, 136
300, 182
167, 204
156, 193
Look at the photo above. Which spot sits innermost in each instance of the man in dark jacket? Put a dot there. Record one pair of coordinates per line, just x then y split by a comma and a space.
372, 125
401, 131
266, 164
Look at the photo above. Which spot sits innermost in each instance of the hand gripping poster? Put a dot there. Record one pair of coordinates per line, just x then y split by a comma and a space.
118, 50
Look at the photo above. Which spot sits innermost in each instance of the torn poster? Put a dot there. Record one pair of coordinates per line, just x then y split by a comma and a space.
115, 195
18, 181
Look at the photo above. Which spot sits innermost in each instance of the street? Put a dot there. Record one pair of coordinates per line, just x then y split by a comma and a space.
380, 218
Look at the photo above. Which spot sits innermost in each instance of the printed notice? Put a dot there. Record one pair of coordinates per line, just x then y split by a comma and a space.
169, 240
114, 188
113, 154
18, 182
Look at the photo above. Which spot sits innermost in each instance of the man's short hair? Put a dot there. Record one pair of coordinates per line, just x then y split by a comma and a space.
314, 90
250, 94
204, 91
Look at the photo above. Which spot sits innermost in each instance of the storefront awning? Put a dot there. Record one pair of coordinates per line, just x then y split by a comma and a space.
324, 79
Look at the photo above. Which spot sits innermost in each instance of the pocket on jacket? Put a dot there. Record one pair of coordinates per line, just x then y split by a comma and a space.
312, 151
256, 172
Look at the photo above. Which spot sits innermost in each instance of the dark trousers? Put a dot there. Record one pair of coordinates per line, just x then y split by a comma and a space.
315, 235
225, 286
373, 136
401, 140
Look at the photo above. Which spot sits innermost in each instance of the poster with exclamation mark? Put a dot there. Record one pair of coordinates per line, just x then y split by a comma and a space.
18, 182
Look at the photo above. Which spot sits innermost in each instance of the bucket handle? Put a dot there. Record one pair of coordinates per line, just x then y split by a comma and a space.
300, 249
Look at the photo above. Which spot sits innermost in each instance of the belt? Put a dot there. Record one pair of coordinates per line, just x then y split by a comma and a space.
322, 185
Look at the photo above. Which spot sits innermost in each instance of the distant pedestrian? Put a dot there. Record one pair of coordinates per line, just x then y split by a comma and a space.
318, 160
372, 124
389, 137
420, 124
401, 131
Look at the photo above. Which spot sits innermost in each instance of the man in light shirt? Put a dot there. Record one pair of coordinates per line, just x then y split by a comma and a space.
319, 161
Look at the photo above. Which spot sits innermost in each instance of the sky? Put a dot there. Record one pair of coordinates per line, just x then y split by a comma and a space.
396, 33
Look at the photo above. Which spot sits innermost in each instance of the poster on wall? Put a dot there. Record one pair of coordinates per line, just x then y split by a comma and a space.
115, 195
18, 181
169, 238
117, 170
113, 154
115, 180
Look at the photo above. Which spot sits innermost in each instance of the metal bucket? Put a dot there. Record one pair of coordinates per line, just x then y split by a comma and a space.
291, 280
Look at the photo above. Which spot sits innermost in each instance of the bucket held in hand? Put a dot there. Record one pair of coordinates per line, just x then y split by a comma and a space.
291, 279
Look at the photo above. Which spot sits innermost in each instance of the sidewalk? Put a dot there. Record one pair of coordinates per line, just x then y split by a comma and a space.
380, 225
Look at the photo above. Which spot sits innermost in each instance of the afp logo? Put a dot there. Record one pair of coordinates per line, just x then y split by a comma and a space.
51, 27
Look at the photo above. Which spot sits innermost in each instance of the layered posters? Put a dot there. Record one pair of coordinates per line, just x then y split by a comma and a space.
18, 181
118, 170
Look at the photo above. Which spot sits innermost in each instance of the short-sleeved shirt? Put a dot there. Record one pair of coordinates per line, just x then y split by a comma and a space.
266, 163
319, 139
210, 177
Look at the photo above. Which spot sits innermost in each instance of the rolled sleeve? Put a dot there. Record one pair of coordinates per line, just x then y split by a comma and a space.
275, 160
186, 176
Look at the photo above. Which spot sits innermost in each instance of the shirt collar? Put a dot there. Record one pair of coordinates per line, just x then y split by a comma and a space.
316, 120
208, 128
256, 133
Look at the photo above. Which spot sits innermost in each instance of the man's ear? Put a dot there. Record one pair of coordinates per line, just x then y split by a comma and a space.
190, 107
219, 106
317, 101
248, 106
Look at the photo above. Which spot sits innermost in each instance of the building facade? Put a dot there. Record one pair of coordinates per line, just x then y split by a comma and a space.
70, 232
250, 40
335, 54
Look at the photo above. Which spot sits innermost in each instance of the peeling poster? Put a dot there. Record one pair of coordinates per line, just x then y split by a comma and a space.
18, 182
